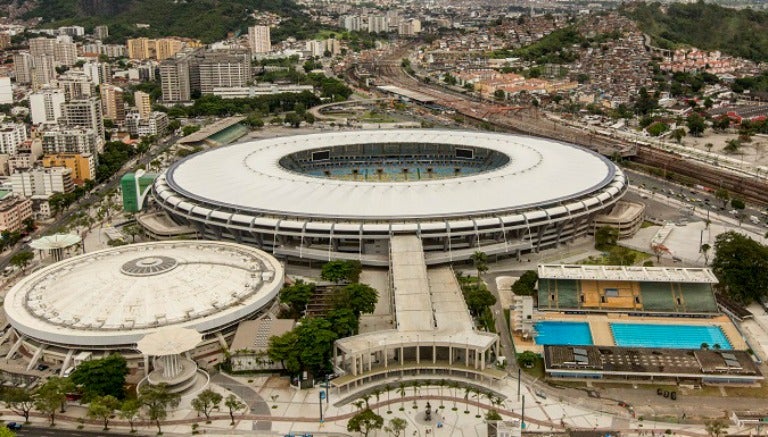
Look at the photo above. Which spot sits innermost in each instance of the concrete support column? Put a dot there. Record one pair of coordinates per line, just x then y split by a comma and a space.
386, 358
146, 365
354, 365
477, 359
450, 355
418, 353
370, 360
482, 361
434, 353
466, 355
402, 359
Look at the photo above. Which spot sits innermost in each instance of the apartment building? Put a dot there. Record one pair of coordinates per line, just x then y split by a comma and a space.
83, 166
42, 181
259, 39
62, 139
11, 136
13, 211
45, 105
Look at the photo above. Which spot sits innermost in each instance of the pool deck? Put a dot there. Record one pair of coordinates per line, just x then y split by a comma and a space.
599, 325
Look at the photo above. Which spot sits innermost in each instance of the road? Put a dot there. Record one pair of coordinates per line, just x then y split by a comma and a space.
88, 200
57, 432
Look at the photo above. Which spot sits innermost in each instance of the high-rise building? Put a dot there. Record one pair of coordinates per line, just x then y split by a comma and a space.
42, 47
175, 80
138, 48
45, 105
221, 69
5, 40
76, 85
44, 71
84, 113
352, 23
83, 166
62, 139
101, 32
11, 136
71, 31
65, 52
156, 123
378, 23
259, 39
23, 66
42, 181
143, 103
167, 47
410, 27
98, 72
14, 210
6, 91
112, 103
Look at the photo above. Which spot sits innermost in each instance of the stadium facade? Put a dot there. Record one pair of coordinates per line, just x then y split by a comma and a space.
343, 195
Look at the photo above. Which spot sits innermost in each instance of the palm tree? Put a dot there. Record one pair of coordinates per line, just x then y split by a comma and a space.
442, 383
415, 385
480, 260
366, 397
467, 391
716, 428
401, 392
388, 388
359, 404
377, 393
453, 387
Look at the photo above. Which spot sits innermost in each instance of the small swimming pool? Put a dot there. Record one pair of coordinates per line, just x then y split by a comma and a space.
668, 336
563, 333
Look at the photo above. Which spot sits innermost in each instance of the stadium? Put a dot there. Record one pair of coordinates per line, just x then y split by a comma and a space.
108, 300
343, 195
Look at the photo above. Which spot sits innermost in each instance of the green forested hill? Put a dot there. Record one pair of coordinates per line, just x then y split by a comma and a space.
742, 33
208, 20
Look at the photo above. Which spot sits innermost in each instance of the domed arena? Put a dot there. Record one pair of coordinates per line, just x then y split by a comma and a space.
108, 300
342, 195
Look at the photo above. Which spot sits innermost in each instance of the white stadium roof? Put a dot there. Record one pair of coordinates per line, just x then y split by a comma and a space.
627, 273
116, 296
249, 177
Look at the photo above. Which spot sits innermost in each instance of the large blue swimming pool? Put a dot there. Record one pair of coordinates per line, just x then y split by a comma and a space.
563, 333
668, 336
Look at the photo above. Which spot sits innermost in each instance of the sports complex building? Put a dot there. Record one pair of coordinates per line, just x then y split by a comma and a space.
106, 301
343, 195
652, 324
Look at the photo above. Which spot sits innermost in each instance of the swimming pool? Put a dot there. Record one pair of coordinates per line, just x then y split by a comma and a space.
563, 333
668, 336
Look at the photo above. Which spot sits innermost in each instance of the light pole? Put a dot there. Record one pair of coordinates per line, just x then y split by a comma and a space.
320, 403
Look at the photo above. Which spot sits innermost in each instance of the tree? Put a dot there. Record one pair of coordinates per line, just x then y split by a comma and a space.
480, 261
129, 410
49, 398
341, 270
133, 230
709, 147
499, 94
282, 348
234, 405
621, 256
605, 237
527, 359
741, 265
696, 125
103, 408
293, 119
678, 135
360, 298
296, 296
723, 195
737, 204
22, 259
525, 285
716, 428
396, 426
732, 146
478, 298
157, 400
705, 251
401, 392
645, 103
205, 402
105, 376
5, 432
365, 422
344, 321
721, 123
20, 401
315, 345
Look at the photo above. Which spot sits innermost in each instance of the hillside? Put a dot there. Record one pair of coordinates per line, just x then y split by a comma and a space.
208, 20
742, 33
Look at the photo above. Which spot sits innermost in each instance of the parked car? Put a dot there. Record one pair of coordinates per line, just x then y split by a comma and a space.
13, 426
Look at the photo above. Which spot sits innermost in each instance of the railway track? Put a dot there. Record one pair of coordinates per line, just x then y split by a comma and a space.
531, 122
